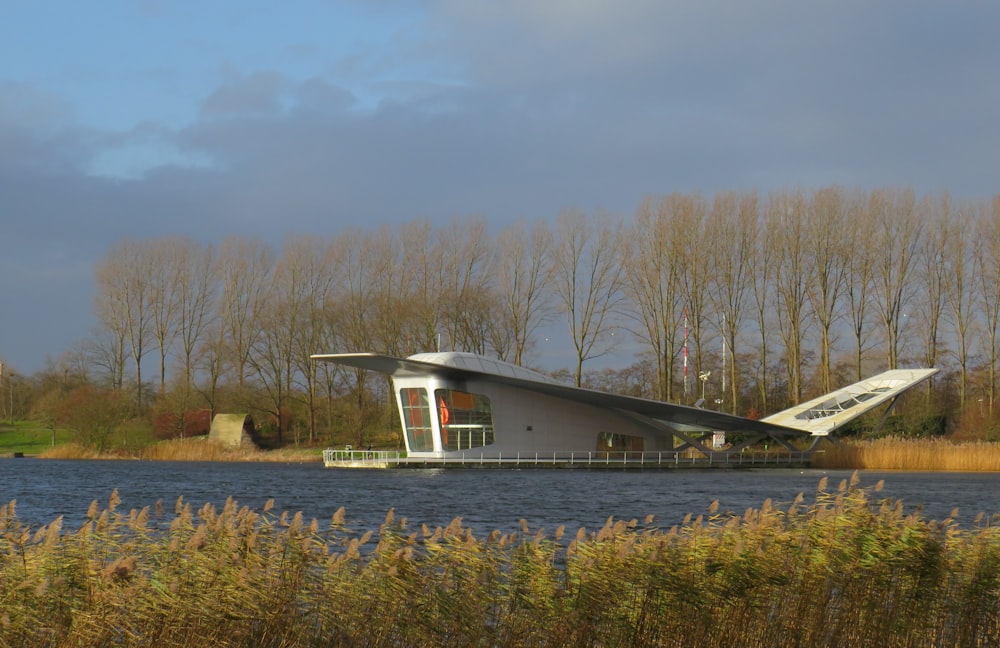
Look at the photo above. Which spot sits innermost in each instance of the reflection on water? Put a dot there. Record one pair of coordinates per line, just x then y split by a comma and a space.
485, 499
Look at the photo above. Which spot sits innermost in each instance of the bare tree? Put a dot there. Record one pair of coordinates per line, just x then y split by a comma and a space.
652, 284
244, 268
931, 271
733, 222
786, 215
312, 261
196, 286
356, 258
587, 271
826, 227
898, 233
164, 266
399, 324
122, 302
107, 351
522, 268
762, 280
692, 248
987, 265
466, 291
423, 257
958, 268
859, 284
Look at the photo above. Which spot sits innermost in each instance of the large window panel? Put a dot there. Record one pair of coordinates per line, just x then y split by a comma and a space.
466, 419
417, 419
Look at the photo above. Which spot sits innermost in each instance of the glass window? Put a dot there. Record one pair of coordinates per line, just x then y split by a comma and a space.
417, 419
466, 419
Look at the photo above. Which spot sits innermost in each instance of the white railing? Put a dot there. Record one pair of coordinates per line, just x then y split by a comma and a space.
349, 456
632, 459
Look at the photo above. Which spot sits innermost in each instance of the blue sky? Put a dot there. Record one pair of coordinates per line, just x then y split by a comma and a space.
265, 119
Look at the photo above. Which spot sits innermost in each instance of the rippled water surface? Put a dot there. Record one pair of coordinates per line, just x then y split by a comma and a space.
485, 499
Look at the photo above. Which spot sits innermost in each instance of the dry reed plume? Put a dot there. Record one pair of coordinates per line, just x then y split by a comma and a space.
845, 569
910, 454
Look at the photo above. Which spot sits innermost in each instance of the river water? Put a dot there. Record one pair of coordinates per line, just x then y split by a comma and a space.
485, 499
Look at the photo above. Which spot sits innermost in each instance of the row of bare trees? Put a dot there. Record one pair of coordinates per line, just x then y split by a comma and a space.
780, 296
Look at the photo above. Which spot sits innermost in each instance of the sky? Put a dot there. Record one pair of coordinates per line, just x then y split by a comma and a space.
135, 119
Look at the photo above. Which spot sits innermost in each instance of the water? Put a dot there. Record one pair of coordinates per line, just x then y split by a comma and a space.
485, 499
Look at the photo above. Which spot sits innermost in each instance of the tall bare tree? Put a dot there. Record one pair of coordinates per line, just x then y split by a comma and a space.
522, 268
762, 280
692, 248
289, 326
859, 283
312, 260
164, 266
987, 265
399, 321
587, 271
898, 233
826, 227
423, 256
931, 271
467, 298
652, 284
959, 290
786, 215
733, 222
122, 302
244, 269
196, 285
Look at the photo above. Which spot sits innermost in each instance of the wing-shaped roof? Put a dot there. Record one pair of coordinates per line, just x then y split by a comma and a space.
824, 414
461, 366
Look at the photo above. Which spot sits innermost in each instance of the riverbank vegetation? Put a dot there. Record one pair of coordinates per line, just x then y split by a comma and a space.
910, 454
197, 449
841, 568
773, 298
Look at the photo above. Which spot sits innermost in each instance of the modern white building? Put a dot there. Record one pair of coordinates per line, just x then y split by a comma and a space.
464, 406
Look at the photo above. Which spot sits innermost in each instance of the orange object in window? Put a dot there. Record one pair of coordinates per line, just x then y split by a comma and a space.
444, 413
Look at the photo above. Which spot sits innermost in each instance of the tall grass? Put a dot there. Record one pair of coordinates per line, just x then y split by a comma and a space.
192, 449
910, 454
844, 569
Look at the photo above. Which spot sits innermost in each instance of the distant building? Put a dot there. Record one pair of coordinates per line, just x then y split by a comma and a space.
464, 405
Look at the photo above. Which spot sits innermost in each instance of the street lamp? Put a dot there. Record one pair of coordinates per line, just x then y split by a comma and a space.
703, 377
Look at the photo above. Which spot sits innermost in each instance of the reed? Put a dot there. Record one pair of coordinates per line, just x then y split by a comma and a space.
842, 569
192, 449
910, 454
70, 451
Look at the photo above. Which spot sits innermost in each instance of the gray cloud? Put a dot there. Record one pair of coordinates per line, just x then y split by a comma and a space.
506, 112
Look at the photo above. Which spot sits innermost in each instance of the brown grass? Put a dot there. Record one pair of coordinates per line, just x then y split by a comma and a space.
70, 451
192, 449
910, 454
844, 569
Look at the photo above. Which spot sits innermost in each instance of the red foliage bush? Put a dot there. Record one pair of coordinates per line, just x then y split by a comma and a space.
196, 422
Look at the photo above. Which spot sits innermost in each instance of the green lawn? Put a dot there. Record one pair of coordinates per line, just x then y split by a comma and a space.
28, 437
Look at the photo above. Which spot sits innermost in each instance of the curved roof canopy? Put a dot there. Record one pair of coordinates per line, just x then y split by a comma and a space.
816, 417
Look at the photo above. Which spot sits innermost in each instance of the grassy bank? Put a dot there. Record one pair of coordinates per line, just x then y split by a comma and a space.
842, 569
29, 438
880, 454
910, 454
